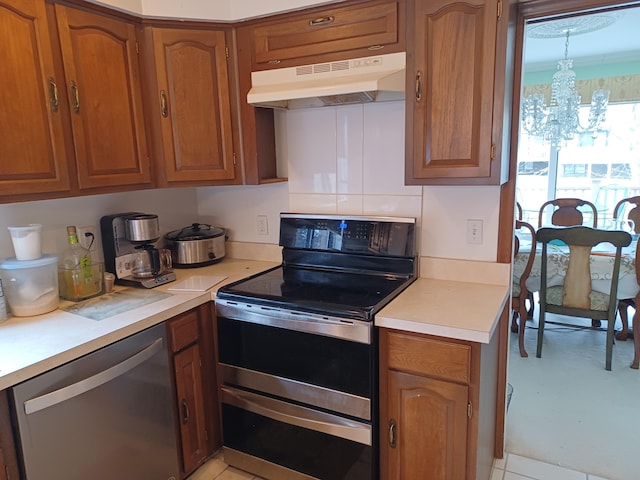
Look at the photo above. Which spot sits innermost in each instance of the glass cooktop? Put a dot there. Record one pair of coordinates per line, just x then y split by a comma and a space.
343, 294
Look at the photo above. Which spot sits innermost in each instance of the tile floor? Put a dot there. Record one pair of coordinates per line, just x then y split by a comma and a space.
516, 467
512, 467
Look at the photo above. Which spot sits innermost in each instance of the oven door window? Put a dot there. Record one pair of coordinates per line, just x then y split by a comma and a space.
328, 362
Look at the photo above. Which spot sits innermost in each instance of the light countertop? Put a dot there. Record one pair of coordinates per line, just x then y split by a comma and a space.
446, 308
32, 345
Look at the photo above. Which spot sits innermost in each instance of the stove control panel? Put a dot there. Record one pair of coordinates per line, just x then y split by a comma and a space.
388, 236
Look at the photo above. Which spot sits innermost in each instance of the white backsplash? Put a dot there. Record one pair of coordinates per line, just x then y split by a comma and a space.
175, 208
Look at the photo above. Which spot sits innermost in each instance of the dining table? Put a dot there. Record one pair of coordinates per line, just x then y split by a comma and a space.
601, 265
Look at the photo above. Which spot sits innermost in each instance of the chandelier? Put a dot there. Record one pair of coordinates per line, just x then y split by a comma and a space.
560, 120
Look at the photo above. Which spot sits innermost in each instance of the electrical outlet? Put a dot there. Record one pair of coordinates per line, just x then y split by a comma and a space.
89, 241
262, 225
474, 231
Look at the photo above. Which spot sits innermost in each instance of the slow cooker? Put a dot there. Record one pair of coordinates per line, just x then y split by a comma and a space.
196, 245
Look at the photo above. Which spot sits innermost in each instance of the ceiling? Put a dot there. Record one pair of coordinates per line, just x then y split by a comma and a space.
614, 43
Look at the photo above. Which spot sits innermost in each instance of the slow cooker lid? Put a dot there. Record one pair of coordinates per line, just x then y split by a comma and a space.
196, 231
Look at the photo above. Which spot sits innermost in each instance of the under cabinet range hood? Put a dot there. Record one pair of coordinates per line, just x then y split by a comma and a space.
360, 80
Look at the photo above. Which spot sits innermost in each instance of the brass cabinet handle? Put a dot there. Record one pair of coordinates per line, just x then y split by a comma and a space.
418, 86
164, 106
185, 411
392, 433
53, 94
75, 97
316, 22
373, 48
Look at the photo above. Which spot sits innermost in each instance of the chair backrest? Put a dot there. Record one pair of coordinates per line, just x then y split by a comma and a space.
631, 207
577, 284
567, 213
522, 226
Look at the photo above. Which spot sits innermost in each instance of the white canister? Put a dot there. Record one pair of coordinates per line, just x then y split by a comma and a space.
27, 241
31, 286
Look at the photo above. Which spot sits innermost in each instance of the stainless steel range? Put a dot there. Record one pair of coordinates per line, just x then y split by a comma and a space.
298, 351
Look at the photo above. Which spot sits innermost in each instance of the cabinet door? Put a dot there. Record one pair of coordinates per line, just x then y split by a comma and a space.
190, 405
8, 454
192, 103
426, 429
450, 89
31, 123
372, 26
103, 82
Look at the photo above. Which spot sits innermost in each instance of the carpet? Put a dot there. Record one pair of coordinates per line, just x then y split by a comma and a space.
567, 410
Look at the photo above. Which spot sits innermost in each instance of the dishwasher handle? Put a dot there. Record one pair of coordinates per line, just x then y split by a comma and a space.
58, 396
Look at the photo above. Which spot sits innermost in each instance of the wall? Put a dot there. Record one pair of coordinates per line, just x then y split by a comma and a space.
175, 208
350, 160
339, 160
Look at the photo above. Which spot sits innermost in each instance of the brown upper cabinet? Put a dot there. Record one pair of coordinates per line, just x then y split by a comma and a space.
101, 66
33, 158
356, 30
453, 135
190, 107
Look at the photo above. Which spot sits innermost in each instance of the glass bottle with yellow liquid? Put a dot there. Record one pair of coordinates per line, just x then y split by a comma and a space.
78, 274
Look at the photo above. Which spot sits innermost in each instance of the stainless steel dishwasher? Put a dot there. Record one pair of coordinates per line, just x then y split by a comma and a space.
103, 416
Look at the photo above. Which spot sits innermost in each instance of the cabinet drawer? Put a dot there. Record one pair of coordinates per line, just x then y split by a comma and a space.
369, 26
183, 330
427, 356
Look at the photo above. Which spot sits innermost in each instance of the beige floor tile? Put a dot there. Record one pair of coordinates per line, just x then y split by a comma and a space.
497, 474
540, 470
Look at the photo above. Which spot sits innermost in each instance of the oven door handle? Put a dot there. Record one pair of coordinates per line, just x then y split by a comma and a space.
297, 415
347, 329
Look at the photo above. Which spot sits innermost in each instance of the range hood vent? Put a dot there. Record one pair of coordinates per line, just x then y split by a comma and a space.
360, 80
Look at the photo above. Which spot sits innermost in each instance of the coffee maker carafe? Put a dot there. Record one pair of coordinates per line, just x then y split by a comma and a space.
128, 241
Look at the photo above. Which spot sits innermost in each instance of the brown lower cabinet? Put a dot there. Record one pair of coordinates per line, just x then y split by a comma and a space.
8, 457
437, 407
190, 340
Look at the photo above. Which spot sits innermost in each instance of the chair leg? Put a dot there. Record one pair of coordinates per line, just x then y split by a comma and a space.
523, 324
514, 322
636, 338
540, 333
610, 324
624, 319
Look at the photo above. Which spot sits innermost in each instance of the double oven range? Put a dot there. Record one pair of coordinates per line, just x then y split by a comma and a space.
298, 352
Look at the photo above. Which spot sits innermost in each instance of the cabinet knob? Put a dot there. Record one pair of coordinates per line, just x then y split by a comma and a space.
392, 433
53, 94
75, 96
164, 104
184, 410
316, 22
418, 86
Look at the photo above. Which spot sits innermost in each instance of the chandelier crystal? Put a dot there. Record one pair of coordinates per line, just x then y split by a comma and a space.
560, 120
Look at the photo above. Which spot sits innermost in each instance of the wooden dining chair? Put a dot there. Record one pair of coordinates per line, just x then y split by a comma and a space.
518, 211
636, 318
567, 212
627, 208
519, 291
575, 296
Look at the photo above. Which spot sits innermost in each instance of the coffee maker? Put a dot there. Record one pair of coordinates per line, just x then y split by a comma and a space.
128, 243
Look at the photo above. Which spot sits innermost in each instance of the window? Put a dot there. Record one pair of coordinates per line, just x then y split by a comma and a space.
575, 170
599, 170
533, 168
602, 169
